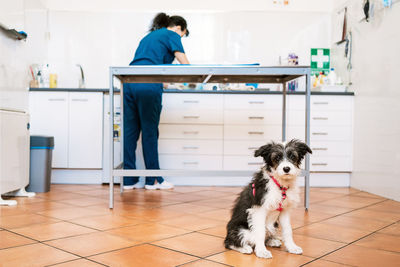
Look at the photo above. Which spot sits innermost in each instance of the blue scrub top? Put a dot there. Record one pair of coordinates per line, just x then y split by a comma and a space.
158, 47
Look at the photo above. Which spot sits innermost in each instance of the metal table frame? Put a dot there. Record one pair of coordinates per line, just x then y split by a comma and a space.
204, 74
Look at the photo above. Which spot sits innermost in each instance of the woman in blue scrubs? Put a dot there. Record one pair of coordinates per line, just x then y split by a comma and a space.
142, 101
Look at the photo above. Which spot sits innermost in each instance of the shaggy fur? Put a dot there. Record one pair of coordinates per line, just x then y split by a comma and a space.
255, 217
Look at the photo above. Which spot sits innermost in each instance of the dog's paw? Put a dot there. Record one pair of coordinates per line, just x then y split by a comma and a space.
294, 249
274, 243
262, 253
246, 250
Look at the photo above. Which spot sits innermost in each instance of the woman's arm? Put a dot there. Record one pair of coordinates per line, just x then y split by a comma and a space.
181, 57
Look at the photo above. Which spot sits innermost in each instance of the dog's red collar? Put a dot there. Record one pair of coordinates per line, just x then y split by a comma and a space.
282, 188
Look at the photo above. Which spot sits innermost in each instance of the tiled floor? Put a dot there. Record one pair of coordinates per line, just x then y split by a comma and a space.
72, 226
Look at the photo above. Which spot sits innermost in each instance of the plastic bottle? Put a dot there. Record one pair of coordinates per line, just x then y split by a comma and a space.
46, 75
332, 77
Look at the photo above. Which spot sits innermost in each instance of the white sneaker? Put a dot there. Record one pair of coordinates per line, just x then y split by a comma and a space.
163, 185
134, 186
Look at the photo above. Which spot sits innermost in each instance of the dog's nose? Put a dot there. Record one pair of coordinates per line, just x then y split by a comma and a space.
286, 169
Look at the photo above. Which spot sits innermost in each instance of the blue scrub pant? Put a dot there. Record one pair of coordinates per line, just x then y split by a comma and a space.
142, 109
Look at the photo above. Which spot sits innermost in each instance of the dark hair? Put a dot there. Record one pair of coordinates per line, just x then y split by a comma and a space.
162, 20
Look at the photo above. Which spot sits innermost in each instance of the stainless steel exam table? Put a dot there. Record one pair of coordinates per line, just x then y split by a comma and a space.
205, 74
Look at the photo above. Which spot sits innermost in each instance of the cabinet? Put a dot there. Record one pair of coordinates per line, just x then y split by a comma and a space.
75, 119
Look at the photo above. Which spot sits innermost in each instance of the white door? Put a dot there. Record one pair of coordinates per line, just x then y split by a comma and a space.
49, 116
85, 130
14, 152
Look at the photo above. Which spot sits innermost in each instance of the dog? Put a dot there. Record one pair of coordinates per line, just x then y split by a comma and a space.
265, 203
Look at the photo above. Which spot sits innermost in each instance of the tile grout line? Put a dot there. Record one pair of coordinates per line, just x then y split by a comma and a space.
348, 244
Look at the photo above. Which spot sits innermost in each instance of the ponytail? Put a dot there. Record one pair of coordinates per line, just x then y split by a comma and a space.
162, 20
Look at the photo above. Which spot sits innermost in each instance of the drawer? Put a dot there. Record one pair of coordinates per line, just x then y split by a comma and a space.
321, 102
192, 116
192, 101
190, 162
253, 102
321, 133
252, 132
242, 147
243, 163
331, 164
328, 148
249, 117
320, 117
192, 147
190, 131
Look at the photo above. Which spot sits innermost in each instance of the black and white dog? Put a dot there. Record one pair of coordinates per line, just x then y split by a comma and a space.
266, 202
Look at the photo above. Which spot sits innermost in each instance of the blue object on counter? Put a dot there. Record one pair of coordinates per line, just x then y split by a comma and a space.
255, 85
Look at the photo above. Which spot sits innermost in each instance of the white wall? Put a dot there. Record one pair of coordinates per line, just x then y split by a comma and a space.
374, 78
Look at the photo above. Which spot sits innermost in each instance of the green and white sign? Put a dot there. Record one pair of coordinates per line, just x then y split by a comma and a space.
320, 60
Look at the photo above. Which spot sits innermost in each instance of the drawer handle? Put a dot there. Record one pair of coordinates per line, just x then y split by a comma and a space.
190, 147
56, 99
256, 132
191, 117
80, 99
191, 101
320, 118
192, 132
320, 133
255, 163
256, 118
253, 148
321, 103
256, 102
190, 162
319, 164
320, 148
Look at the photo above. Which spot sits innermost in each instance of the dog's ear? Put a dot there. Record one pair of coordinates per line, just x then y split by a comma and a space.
263, 151
301, 147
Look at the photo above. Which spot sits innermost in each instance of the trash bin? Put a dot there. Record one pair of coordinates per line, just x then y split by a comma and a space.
40, 163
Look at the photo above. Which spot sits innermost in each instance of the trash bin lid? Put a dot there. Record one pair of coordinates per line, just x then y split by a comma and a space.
42, 142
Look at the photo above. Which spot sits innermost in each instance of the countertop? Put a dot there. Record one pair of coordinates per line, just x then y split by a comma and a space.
257, 91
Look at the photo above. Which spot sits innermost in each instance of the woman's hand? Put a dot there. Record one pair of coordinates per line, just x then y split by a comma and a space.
181, 57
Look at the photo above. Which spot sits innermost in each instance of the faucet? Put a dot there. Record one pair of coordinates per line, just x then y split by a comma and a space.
82, 79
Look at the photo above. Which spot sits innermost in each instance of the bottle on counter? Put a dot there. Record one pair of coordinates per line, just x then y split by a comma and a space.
46, 75
332, 77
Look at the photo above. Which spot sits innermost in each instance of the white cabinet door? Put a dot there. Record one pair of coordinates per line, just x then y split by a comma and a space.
14, 152
49, 116
85, 130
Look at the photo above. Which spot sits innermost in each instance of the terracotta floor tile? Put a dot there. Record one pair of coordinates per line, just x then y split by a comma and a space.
366, 257
105, 222
79, 263
56, 196
8, 240
357, 223
340, 190
148, 232
302, 217
155, 214
386, 206
195, 244
351, 202
333, 210
319, 196
18, 221
33, 255
366, 194
204, 263
279, 258
72, 213
85, 201
91, 244
220, 203
143, 255
219, 214
314, 247
216, 231
323, 263
211, 194
191, 222
381, 241
45, 205
12, 210
331, 232
188, 189
368, 214
51, 231
391, 230
189, 208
